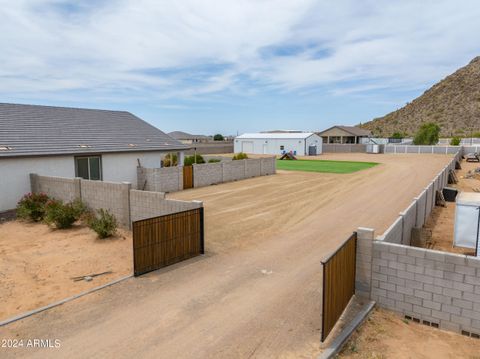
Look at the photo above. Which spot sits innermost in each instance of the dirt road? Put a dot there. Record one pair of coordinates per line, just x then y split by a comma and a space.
257, 292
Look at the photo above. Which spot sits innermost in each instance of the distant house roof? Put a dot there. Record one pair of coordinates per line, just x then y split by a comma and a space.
288, 135
179, 135
282, 131
31, 130
354, 131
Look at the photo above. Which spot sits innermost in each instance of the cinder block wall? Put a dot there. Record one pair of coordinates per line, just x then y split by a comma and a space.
207, 174
343, 148
233, 171
420, 209
253, 168
108, 195
124, 203
146, 204
438, 287
64, 189
165, 179
269, 166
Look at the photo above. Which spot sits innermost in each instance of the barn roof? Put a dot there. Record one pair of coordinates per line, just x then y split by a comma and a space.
31, 130
289, 135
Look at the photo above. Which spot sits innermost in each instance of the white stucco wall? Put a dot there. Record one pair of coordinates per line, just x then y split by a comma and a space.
272, 145
15, 175
118, 167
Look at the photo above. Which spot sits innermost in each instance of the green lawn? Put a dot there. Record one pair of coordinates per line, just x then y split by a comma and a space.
323, 166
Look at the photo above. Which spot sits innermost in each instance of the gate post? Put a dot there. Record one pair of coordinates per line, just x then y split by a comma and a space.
363, 274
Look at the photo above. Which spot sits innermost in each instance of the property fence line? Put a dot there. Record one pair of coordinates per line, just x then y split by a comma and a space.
417, 213
422, 149
169, 179
125, 203
343, 148
439, 289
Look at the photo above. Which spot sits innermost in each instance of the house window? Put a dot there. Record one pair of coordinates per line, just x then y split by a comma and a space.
282, 148
89, 168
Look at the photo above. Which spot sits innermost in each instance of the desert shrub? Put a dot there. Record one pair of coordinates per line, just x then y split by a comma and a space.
32, 206
428, 134
104, 224
59, 214
455, 141
213, 160
476, 134
190, 160
240, 156
170, 160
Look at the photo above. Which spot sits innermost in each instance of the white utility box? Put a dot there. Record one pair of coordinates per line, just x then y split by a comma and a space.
467, 220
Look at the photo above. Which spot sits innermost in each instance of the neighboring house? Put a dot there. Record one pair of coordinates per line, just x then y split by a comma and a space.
301, 144
187, 138
344, 134
72, 142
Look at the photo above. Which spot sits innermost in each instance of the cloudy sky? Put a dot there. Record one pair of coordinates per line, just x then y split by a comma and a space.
209, 66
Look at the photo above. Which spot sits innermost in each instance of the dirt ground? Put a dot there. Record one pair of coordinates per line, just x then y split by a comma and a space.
257, 291
37, 263
387, 335
442, 219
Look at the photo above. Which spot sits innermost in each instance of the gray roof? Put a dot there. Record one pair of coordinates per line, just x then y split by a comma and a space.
180, 135
30, 130
353, 130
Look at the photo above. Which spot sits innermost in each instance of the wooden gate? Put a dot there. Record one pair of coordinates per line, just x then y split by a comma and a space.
338, 283
187, 177
165, 240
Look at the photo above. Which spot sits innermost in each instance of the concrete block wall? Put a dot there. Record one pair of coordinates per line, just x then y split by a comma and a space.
207, 174
438, 287
419, 210
125, 203
108, 195
233, 171
165, 179
64, 189
145, 204
363, 270
253, 168
269, 166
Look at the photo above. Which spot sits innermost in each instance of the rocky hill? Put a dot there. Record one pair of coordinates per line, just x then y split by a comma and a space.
453, 103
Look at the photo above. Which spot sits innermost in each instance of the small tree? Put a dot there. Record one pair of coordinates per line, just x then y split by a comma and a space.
190, 160
218, 137
170, 160
398, 135
455, 141
428, 134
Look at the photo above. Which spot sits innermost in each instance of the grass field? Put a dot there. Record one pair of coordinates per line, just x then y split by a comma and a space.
323, 166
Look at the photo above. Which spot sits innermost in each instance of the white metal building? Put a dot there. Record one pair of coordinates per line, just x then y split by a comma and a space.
301, 144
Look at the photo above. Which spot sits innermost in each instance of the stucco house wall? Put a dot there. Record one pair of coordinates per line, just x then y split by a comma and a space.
116, 167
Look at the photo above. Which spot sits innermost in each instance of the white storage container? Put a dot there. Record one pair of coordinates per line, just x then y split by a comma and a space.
467, 220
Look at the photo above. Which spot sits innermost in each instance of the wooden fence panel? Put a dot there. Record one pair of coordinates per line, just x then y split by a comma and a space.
165, 240
338, 283
187, 177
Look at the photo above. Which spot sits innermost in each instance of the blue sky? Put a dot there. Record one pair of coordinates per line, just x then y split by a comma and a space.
233, 66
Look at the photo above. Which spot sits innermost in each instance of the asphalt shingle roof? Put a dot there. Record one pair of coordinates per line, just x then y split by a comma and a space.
179, 135
31, 130
353, 130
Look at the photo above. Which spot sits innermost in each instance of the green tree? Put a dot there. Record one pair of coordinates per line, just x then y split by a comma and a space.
455, 141
398, 135
218, 137
428, 134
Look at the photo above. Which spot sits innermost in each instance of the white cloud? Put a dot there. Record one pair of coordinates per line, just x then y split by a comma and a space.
156, 47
